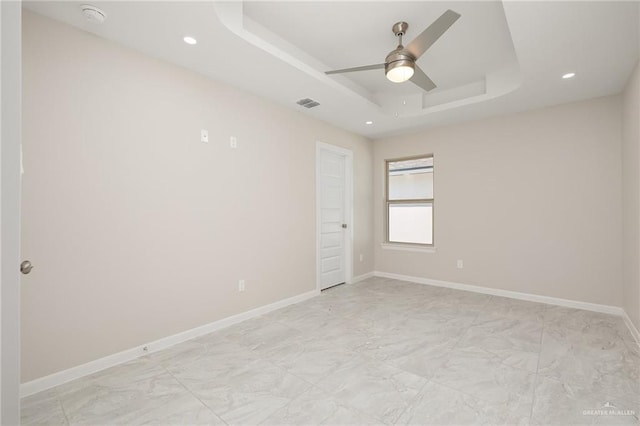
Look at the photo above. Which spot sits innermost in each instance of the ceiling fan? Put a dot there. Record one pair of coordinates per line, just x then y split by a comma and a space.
400, 65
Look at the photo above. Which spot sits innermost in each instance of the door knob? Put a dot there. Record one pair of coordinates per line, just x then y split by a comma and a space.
26, 267
344, 225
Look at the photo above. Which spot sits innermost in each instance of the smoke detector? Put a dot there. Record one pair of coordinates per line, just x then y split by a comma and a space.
93, 14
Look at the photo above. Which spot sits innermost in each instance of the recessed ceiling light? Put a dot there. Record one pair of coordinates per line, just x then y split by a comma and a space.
569, 75
369, 122
190, 40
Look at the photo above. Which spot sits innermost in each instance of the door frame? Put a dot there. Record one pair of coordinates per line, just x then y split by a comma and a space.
348, 208
11, 128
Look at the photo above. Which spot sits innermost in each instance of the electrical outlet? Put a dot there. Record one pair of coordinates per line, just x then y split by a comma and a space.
204, 136
233, 142
460, 264
361, 257
241, 286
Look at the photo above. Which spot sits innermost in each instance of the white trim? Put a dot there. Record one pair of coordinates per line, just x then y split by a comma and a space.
631, 326
348, 195
606, 309
55, 379
362, 277
334, 148
407, 247
10, 165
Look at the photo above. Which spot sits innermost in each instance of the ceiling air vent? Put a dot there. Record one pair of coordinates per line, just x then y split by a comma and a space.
308, 103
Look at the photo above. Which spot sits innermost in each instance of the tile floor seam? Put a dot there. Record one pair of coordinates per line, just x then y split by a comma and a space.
64, 412
284, 406
475, 397
588, 333
459, 340
56, 390
273, 364
357, 410
535, 379
346, 405
460, 391
397, 416
475, 318
509, 365
413, 400
294, 375
193, 394
386, 362
447, 354
312, 387
581, 357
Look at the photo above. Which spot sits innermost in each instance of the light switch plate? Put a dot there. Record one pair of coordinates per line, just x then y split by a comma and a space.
204, 136
233, 142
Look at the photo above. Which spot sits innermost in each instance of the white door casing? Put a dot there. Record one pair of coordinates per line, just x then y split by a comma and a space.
334, 197
10, 112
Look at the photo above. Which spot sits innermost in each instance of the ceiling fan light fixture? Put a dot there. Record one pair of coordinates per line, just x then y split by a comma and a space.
400, 64
400, 71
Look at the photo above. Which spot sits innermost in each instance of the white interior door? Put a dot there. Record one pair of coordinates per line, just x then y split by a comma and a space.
332, 212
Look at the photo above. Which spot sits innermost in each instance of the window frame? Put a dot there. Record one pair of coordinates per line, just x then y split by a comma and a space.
388, 202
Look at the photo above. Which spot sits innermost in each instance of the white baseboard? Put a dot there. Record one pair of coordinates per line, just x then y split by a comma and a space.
362, 277
631, 326
606, 309
55, 379
50, 381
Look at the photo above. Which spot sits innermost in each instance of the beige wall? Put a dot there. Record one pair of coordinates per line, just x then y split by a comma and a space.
530, 202
136, 229
631, 197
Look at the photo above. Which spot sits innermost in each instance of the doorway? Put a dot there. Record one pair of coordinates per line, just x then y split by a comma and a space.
334, 215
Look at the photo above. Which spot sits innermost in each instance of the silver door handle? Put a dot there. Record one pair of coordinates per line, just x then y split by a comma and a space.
344, 225
26, 267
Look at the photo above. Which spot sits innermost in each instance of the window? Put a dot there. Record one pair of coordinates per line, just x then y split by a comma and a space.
410, 200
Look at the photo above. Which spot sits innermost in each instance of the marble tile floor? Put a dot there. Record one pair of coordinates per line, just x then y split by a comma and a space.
377, 352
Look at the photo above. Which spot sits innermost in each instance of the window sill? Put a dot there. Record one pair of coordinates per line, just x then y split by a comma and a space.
407, 247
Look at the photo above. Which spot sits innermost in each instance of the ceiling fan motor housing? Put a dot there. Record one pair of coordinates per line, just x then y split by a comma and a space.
400, 65
399, 58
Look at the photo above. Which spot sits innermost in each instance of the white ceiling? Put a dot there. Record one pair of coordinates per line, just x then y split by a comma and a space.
498, 58
456, 59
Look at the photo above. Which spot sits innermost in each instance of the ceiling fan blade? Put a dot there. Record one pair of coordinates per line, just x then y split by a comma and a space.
364, 68
421, 80
424, 41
